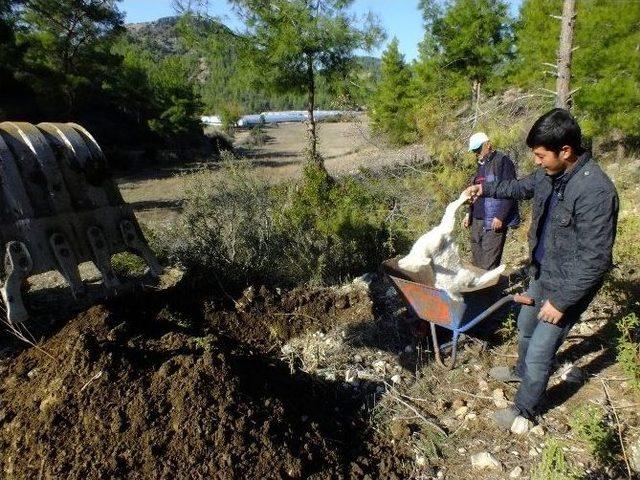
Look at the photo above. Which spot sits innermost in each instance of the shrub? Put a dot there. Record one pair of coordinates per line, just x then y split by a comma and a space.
257, 136
127, 264
344, 224
238, 230
591, 426
230, 113
629, 348
553, 464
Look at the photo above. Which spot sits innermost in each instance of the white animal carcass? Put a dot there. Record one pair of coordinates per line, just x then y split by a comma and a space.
437, 249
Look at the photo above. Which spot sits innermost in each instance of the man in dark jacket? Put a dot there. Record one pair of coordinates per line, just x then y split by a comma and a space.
573, 226
490, 217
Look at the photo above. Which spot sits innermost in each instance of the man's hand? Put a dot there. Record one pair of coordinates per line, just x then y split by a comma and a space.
466, 221
550, 314
496, 224
474, 191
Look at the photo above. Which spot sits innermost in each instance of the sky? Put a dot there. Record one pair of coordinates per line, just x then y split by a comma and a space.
399, 18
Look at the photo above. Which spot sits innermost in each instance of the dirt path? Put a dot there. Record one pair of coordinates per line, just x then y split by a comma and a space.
156, 194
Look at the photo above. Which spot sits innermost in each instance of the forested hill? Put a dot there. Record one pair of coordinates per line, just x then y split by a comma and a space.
161, 36
222, 87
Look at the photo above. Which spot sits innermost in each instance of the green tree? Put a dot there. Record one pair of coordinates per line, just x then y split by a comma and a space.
606, 67
157, 94
472, 37
606, 64
289, 44
533, 48
10, 59
391, 112
68, 45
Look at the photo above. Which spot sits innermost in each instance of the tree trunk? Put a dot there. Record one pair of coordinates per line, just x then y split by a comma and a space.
311, 122
565, 50
475, 100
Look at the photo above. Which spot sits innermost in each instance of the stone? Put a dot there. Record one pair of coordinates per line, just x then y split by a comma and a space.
399, 429
483, 385
521, 425
350, 375
287, 349
634, 455
571, 374
421, 460
538, 430
484, 460
440, 474
461, 412
499, 399
379, 366
516, 472
457, 403
396, 379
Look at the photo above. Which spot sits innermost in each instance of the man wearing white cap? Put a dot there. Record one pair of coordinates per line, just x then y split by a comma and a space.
489, 218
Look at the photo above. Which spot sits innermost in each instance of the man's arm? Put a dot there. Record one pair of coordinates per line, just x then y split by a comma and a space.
596, 229
514, 189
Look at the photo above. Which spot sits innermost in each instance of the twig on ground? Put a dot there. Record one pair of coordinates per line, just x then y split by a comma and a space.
615, 415
471, 394
22, 336
95, 377
508, 355
397, 398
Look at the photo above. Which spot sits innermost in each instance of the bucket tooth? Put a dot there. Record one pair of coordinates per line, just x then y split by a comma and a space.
102, 257
68, 264
139, 246
18, 264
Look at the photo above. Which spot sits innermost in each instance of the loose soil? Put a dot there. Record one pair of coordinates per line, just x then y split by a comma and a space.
168, 386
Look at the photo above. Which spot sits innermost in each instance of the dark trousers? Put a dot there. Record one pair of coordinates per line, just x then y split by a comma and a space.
538, 343
486, 245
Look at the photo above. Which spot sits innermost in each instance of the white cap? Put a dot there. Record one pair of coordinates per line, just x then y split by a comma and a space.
476, 140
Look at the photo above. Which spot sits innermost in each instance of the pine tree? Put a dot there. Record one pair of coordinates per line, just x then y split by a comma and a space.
290, 44
537, 34
392, 107
607, 67
472, 38
606, 63
69, 44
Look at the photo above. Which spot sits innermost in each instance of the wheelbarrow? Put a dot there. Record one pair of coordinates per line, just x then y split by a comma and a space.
438, 308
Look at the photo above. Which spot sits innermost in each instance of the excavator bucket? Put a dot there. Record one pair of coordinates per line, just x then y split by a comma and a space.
60, 208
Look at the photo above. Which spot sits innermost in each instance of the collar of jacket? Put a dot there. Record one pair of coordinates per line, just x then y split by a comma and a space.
490, 156
561, 182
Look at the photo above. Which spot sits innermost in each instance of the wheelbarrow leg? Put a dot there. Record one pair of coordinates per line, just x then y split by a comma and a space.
454, 348
436, 345
436, 348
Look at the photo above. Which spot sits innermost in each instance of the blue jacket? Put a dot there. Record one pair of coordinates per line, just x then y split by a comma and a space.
499, 167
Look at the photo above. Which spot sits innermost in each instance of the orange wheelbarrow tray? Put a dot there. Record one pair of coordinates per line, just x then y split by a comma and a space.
436, 306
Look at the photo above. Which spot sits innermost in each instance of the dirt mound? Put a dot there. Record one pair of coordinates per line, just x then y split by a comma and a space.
175, 390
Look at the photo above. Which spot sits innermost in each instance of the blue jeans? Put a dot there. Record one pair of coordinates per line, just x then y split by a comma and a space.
538, 343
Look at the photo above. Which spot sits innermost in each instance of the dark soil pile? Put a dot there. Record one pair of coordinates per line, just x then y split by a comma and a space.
156, 388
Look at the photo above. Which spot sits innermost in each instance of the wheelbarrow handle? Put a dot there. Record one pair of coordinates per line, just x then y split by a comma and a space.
524, 299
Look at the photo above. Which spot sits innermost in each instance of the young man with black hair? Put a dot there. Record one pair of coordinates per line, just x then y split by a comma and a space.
489, 218
573, 226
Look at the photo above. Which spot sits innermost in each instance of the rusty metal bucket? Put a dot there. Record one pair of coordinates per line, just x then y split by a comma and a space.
58, 208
